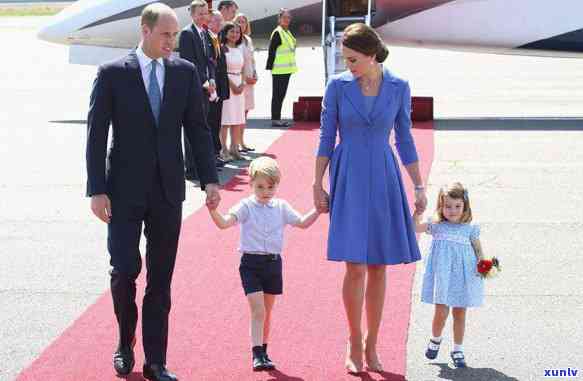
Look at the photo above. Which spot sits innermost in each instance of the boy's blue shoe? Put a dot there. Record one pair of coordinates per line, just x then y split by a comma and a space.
458, 359
432, 349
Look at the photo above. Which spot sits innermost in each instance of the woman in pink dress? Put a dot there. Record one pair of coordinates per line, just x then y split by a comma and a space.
233, 115
249, 73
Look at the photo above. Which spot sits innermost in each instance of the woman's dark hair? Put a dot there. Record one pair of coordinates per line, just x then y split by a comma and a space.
226, 28
364, 39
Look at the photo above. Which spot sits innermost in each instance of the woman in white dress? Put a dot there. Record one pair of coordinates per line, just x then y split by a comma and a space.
233, 115
249, 73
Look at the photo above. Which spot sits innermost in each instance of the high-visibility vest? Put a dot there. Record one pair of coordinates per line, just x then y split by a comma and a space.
285, 55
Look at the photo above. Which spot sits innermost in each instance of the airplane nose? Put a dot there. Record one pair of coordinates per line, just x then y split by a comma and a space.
61, 27
52, 32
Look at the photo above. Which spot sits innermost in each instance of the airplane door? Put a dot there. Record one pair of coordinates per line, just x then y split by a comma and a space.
337, 15
348, 8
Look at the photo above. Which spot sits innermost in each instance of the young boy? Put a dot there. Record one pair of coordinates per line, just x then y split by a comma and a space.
262, 218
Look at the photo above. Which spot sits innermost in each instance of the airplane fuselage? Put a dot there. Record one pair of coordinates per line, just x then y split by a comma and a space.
524, 27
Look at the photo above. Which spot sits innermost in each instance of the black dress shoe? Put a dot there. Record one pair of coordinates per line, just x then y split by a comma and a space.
191, 176
123, 361
155, 372
260, 359
269, 365
259, 364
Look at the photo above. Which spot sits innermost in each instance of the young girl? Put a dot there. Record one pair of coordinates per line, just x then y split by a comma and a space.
262, 218
451, 279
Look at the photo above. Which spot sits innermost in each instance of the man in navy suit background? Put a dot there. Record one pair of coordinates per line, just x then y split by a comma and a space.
195, 46
219, 63
148, 99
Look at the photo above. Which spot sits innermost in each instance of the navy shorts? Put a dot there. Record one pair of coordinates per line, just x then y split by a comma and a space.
261, 273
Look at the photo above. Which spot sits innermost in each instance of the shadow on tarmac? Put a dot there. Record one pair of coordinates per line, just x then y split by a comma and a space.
280, 376
469, 373
386, 376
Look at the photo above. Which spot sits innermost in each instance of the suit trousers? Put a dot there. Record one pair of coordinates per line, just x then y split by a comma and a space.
280, 83
214, 120
161, 221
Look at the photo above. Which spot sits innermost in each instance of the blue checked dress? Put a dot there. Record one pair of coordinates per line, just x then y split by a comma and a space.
451, 277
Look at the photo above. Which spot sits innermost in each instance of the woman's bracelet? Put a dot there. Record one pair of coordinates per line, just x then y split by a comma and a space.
419, 188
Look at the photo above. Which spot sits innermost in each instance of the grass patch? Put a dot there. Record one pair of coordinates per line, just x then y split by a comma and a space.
40, 10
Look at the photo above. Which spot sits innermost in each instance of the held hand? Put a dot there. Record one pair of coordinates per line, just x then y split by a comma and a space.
213, 198
101, 207
321, 198
420, 202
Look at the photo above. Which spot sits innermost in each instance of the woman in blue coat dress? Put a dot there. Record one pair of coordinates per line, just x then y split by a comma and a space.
370, 221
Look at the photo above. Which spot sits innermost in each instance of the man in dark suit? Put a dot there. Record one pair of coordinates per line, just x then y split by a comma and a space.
219, 63
148, 99
195, 46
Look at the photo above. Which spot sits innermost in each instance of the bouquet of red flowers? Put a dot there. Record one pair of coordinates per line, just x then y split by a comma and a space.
488, 268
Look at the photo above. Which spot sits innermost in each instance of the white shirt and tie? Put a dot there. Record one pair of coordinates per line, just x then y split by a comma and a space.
202, 35
205, 49
146, 67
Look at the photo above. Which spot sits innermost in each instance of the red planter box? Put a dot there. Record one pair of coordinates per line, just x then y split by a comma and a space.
307, 109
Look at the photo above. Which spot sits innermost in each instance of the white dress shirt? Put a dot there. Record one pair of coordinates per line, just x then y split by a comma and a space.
146, 67
262, 225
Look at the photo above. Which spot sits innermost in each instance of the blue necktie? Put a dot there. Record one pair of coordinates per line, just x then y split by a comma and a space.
154, 92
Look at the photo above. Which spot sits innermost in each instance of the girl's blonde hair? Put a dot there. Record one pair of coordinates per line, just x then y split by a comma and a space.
455, 191
247, 31
265, 167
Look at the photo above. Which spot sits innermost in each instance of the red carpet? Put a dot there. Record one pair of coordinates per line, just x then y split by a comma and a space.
209, 337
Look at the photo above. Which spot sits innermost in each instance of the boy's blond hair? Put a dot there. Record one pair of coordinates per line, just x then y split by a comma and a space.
266, 167
455, 191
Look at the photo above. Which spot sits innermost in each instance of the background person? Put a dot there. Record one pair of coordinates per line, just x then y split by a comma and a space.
249, 73
282, 63
195, 46
233, 114
219, 63
228, 9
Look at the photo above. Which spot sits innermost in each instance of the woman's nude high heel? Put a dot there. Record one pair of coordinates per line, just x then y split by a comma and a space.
352, 365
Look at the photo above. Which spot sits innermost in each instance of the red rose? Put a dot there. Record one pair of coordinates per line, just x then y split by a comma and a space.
484, 265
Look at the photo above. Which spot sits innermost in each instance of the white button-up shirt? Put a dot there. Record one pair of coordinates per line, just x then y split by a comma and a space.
146, 68
262, 225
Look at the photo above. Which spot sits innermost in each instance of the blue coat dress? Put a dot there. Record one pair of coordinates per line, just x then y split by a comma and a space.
370, 221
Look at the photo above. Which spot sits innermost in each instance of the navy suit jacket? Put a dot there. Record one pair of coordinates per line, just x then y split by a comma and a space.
138, 147
190, 47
